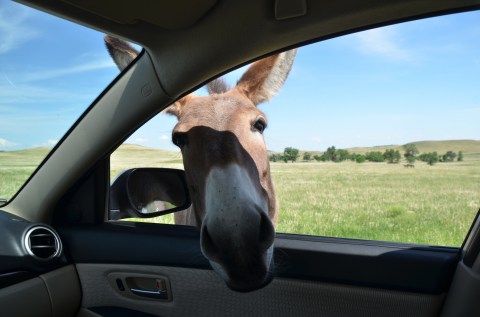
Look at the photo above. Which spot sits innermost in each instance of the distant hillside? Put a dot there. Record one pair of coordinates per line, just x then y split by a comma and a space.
130, 155
25, 158
381, 148
134, 148
467, 146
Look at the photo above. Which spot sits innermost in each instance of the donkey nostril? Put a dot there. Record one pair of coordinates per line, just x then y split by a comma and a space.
179, 139
267, 232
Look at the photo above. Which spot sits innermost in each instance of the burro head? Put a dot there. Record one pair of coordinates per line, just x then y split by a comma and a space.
227, 168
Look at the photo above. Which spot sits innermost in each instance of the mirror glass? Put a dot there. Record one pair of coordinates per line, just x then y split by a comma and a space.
148, 192
151, 191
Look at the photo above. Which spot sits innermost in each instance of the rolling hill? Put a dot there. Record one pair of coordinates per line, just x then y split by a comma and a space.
466, 146
23, 158
129, 155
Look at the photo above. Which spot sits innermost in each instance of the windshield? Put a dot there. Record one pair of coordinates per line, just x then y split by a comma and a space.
50, 72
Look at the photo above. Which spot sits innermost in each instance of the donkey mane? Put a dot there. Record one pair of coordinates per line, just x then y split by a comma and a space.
218, 86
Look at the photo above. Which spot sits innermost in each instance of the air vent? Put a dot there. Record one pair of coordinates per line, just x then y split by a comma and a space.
43, 243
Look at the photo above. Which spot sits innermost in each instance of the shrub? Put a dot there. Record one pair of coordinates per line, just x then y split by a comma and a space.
392, 156
374, 156
359, 158
307, 156
290, 154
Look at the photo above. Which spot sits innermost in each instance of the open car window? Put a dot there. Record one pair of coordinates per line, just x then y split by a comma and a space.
46, 83
374, 135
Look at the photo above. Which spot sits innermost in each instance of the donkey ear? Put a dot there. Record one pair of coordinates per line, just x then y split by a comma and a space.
176, 108
121, 52
265, 78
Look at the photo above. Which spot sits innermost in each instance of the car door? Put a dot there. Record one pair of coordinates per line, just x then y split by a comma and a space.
116, 261
122, 265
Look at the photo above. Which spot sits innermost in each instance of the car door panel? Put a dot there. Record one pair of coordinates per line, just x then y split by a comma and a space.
385, 265
373, 264
202, 293
314, 274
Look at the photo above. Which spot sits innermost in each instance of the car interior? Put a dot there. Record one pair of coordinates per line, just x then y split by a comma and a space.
62, 252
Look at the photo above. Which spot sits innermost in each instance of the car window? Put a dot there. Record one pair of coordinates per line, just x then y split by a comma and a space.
373, 136
50, 72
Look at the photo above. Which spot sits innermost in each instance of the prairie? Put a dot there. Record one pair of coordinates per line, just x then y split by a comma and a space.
432, 205
428, 204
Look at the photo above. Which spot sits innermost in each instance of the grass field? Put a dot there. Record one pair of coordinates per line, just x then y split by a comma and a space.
16, 167
428, 204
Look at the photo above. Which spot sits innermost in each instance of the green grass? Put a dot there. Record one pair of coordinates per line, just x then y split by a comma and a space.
428, 204
16, 167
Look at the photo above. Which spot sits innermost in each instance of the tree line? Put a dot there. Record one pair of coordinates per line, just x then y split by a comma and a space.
411, 154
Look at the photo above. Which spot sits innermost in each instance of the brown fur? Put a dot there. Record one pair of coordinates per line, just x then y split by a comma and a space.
213, 133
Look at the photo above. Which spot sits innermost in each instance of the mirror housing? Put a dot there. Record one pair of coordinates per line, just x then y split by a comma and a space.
148, 192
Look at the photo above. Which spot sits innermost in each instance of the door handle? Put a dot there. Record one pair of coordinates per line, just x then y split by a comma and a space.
159, 294
149, 287
138, 286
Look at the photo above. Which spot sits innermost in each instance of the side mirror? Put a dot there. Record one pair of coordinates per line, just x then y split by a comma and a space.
148, 192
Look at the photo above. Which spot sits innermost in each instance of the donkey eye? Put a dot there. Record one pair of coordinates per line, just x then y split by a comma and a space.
259, 125
179, 139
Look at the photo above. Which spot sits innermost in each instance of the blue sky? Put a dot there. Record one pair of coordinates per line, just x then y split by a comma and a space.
409, 82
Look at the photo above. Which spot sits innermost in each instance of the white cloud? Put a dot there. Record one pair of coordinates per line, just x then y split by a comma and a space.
82, 68
27, 93
6, 143
164, 137
13, 30
383, 42
52, 142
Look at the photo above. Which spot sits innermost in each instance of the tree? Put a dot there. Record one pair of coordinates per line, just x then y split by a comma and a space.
374, 156
290, 154
460, 156
430, 158
410, 152
330, 154
359, 158
319, 157
307, 156
275, 157
423, 157
449, 156
341, 155
392, 156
